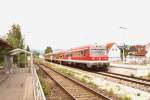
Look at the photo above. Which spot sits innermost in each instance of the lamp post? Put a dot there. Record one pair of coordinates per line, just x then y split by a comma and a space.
123, 57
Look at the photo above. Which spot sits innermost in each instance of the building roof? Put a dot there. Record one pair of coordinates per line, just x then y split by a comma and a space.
137, 50
141, 53
109, 45
147, 46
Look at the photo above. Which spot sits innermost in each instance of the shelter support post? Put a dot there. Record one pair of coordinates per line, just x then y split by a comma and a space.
8, 63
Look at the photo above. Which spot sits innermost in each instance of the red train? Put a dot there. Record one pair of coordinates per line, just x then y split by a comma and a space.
90, 56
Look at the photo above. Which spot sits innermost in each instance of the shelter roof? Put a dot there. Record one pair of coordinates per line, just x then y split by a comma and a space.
4, 44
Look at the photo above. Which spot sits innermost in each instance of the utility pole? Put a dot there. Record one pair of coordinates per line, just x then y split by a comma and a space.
123, 57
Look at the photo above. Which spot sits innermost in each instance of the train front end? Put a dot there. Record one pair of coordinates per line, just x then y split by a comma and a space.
98, 57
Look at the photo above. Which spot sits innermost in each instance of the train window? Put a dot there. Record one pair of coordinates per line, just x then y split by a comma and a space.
86, 52
82, 52
69, 55
98, 52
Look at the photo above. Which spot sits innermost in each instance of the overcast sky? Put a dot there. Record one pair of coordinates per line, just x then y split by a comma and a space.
65, 24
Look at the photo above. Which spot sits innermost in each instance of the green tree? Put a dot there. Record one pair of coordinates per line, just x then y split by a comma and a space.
28, 48
14, 37
2, 52
125, 52
36, 54
48, 50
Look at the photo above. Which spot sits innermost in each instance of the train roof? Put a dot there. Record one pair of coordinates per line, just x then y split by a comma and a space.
92, 46
95, 46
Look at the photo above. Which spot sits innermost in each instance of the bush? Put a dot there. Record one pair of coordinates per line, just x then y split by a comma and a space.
132, 75
138, 94
118, 87
126, 98
83, 80
148, 75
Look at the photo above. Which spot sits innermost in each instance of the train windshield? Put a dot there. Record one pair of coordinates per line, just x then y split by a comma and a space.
98, 52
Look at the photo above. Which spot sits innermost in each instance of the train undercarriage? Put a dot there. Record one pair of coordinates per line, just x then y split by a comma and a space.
90, 65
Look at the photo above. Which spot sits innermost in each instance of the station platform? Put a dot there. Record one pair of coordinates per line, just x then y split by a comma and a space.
3, 76
17, 86
127, 69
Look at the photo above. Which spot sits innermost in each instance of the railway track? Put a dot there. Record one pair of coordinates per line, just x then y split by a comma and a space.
76, 89
126, 78
135, 82
142, 84
141, 79
53, 88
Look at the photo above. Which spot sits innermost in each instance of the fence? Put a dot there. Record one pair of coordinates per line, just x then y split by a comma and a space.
137, 60
38, 91
114, 59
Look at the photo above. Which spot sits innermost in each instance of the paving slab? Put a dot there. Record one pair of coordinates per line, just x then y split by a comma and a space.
18, 86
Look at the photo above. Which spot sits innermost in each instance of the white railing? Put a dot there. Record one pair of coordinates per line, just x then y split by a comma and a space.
38, 91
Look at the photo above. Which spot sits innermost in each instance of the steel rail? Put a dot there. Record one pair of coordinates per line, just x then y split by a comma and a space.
142, 79
57, 83
124, 78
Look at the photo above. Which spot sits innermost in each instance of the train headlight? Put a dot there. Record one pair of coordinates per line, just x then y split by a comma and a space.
93, 58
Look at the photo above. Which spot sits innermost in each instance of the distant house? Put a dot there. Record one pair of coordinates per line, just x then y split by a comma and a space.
148, 53
147, 46
113, 52
136, 54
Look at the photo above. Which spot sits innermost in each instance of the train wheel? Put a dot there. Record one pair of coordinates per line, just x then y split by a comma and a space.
104, 67
83, 66
95, 68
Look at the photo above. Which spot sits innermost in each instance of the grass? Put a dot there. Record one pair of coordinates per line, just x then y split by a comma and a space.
118, 87
66, 72
72, 74
83, 80
92, 84
87, 77
62, 70
45, 86
111, 92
